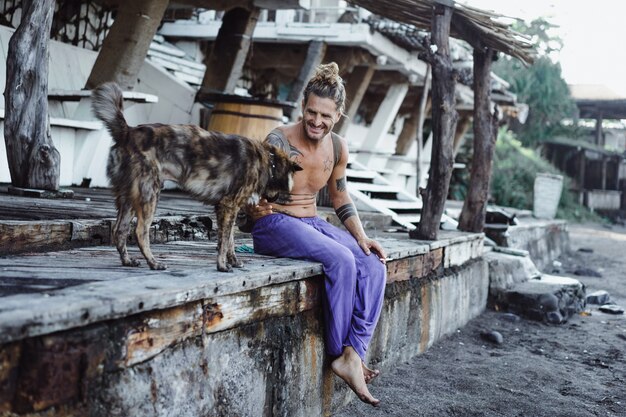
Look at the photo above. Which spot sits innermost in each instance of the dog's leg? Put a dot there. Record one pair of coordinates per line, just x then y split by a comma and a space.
120, 233
225, 242
145, 214
230, 253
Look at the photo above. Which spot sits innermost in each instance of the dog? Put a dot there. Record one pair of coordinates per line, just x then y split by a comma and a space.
227, 171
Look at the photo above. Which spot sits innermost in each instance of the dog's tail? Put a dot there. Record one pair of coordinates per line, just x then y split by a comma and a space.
108, 106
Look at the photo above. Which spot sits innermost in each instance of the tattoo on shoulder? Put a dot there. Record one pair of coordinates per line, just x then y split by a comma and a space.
294, 152
346, 211
341, 184
274, 140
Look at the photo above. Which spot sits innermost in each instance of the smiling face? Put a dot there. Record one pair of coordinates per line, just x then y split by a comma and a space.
319, 116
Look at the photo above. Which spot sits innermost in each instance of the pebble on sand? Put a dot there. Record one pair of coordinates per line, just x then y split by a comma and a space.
492, 336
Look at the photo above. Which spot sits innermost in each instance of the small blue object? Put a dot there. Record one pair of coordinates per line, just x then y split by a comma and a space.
244, 249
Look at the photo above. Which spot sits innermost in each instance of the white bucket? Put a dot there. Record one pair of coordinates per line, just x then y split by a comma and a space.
547, 193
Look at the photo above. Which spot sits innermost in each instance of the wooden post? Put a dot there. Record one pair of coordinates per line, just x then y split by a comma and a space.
126, 46
444, 119
582, 164
472, 217
314, 56
356, 86
225, 62
599, 137
33, 160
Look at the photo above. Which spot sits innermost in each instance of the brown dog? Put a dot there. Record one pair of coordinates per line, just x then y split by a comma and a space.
227, 171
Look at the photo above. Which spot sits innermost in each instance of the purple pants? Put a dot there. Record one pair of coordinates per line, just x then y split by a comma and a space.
354, 283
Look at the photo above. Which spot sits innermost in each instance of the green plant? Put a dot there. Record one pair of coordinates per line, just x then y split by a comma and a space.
512, 181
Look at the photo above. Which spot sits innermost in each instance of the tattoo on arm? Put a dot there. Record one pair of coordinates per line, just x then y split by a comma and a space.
346, 211
341, 184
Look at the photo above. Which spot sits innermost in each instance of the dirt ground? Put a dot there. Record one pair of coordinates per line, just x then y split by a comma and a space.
573, 369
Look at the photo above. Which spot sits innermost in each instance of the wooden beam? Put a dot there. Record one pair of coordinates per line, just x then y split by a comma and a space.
461, 129
385, 115
126, 46
425, 104
415, 120
472, 217
227, 57
444, 120
33, 160
356, 86
314, 56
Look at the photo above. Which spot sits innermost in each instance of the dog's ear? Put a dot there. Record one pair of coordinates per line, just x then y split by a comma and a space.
295, 167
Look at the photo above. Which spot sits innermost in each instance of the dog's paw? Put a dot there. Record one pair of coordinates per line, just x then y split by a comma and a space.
131, 262
158, 266
224, 268
235, 263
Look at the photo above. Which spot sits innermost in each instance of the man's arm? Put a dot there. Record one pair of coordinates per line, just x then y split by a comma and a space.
345, 208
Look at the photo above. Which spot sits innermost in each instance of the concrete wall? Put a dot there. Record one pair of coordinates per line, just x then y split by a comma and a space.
603, 199
278, 368
544, 240
257, 352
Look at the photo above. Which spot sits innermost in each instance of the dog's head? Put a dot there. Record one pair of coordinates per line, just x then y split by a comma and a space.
281, 170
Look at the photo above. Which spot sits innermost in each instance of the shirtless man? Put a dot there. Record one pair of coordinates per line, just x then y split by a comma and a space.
355, 277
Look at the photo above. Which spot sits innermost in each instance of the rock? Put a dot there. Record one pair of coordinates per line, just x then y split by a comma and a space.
611, 309
598, 297
513, 318
554, 317
548, 302
492, 336
586, 250
587, 272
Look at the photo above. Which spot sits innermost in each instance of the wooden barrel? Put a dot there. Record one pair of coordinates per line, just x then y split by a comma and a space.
245, 116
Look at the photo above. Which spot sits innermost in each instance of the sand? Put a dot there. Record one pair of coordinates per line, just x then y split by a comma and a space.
573, 369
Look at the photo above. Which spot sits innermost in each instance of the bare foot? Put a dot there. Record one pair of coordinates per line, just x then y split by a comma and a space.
369, 374
348, 367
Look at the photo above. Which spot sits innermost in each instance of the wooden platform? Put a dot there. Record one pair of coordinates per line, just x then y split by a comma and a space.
56, 274
75, 318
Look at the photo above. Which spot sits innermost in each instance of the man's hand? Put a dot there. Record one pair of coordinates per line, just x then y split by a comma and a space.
368, 245
259, 210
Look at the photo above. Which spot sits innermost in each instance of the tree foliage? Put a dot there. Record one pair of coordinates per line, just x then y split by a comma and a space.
541, 86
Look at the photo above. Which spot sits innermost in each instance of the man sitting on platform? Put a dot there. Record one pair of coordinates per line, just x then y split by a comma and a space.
354, 276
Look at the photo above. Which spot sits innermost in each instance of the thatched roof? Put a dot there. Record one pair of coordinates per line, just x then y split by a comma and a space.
476, 26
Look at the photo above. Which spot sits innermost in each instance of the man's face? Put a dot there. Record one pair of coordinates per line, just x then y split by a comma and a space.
319, 115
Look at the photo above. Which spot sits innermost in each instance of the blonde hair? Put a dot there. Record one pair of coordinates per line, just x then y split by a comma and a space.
327, 83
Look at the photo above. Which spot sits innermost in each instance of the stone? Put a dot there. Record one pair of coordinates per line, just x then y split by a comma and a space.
510, 317
598, 297
587, 272
548, 302
554, 317
586, 250
492, 336
611, 309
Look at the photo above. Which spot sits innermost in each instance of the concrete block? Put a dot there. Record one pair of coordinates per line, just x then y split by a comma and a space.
550, 298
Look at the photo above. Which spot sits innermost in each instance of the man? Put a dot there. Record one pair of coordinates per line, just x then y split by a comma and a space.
355, 277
